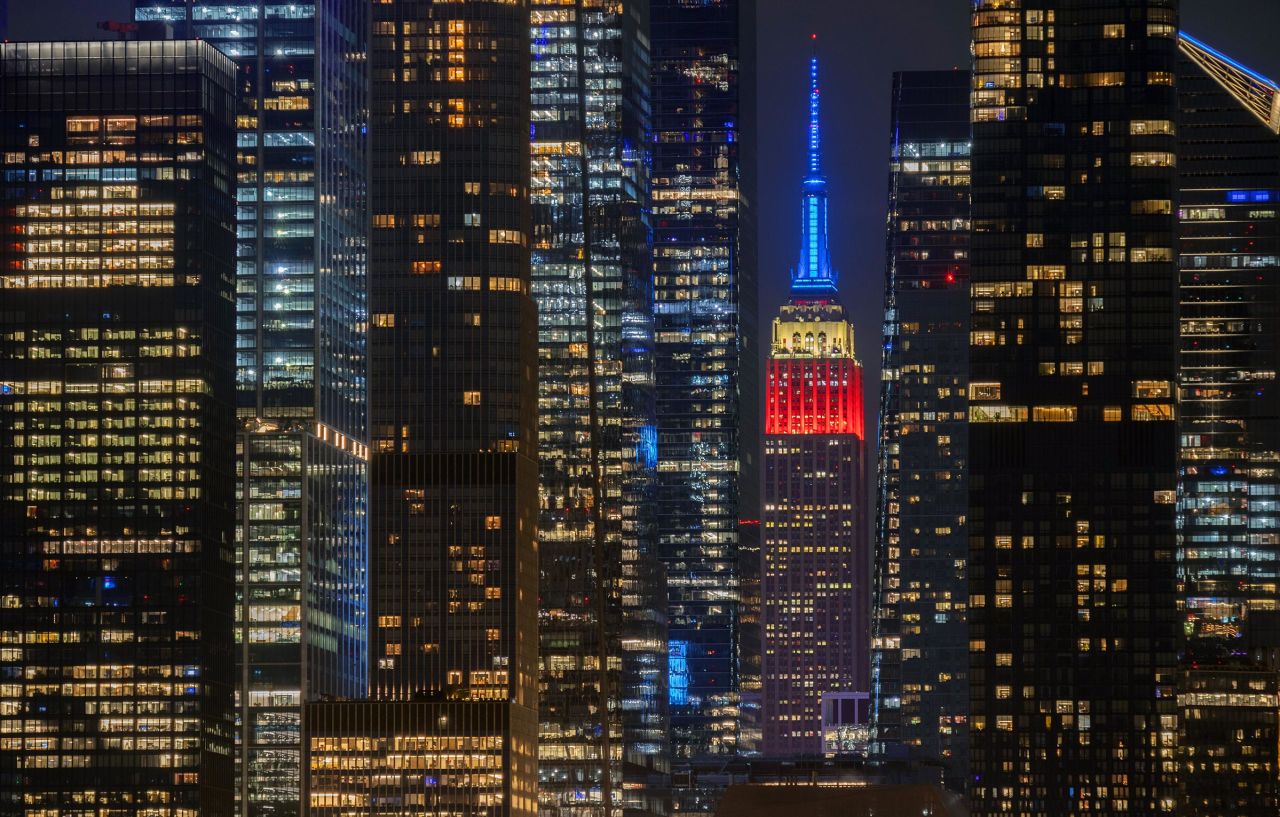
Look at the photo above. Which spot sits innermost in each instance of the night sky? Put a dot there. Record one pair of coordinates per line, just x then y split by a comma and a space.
860, 44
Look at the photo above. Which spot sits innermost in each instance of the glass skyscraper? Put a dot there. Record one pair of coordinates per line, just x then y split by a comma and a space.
116, 429
814, 584
705, 361
301, 228
1073, 625
1229, 475
602, 696
452, 725
920, 690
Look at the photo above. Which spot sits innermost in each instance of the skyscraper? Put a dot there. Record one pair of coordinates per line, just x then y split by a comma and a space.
920, 668
1229, 475
814, 580
1072, 440
116, 429
602, 700
452, 724
301, 236
705, 301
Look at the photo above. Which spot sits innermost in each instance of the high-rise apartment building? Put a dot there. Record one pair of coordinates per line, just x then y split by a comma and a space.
705, 361
301, 236
452, 724
116, 429
1073, 621
920, 663
1229, 474
602, 698
815, 596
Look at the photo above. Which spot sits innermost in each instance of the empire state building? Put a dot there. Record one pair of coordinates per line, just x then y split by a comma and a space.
815, 558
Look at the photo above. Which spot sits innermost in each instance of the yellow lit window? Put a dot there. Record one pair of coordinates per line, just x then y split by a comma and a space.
1152, 159
1053, 414
506, 237
1139, 127
984, 391
1152, 388
1152, 412
471, 398
1046, 272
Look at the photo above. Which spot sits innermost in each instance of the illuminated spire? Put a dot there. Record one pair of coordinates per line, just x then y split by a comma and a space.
813, 276
815, 134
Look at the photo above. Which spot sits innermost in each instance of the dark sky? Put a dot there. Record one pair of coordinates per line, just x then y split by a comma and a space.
860, 45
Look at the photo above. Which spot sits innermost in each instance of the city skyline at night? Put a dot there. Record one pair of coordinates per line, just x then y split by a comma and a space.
889, 37
434, 408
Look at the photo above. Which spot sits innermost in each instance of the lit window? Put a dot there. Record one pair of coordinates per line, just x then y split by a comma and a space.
1152, 412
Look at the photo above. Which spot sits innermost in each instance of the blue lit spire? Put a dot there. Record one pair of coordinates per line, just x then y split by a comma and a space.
814, 274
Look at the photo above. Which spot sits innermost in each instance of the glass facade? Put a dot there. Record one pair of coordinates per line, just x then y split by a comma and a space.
453, 464
601, 697
400, 759
1072, 441
116, 429
920, 663
705, 362
301, 235
814, 579
1229, 474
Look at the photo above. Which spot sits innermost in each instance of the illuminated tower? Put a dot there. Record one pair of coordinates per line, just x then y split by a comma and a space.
116, 427
705, 359
1073, 631
602, 657
1229, 475
814, 586
920, 658
301, 236
453, 571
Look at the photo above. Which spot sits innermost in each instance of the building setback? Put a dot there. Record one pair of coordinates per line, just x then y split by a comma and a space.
814, 589
116, 428
301, 494
453, 462
920, 659
1072, 441
704, 322
603, 731
1229, 474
